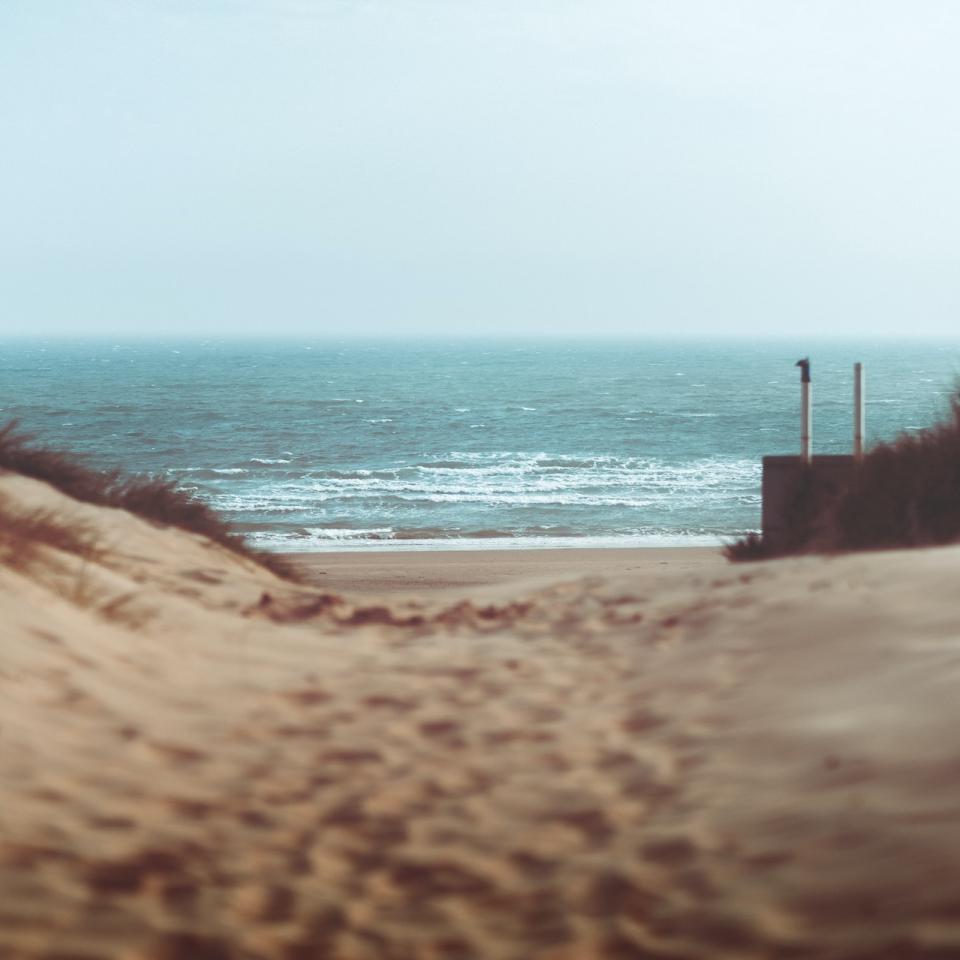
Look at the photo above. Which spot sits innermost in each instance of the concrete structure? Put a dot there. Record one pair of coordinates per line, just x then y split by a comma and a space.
806, 410
859, 418
795, 489
793, 492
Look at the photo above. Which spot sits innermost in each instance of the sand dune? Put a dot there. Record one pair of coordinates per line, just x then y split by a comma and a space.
198, 760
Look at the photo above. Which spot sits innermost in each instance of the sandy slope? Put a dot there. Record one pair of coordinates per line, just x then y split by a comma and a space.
761, 762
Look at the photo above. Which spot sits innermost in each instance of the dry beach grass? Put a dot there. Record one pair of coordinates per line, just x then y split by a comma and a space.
905, 493
201, 760
156, 499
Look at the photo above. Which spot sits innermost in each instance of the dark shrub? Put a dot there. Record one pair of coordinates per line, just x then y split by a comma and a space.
746, 548
906, 493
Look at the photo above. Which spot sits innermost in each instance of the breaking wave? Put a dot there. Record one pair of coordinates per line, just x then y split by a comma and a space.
527, 496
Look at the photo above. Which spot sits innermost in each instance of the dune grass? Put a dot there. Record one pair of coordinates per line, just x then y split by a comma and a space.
161, 501
22, 534
905, 493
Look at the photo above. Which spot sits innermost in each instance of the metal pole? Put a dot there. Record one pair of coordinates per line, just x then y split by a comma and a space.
859, 419
806, 413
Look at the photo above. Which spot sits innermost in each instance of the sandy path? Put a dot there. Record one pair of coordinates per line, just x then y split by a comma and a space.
452, 572
198, 761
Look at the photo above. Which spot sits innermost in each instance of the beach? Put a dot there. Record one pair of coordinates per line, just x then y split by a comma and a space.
450, 572
682, 759
479, 481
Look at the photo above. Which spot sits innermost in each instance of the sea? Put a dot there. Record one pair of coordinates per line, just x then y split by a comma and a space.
312, 445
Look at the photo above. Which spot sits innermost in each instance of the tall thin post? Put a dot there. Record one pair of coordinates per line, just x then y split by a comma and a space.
859, 419
806, 413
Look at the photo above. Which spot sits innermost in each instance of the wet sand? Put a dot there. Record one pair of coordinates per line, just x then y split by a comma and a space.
442, 572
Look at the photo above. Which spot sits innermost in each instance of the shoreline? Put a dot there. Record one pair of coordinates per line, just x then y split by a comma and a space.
404, 544
453, 571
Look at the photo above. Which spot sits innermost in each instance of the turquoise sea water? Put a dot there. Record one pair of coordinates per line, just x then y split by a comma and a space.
315, 445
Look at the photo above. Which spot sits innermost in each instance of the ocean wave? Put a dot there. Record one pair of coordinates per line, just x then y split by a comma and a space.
258, 504
201, 473
348, 533
446, 533
539, 470
485, 496
447, 465
352, 475
565, 463
440, 539
267, 461
654, 487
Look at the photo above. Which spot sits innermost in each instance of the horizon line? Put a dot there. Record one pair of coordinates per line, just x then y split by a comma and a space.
478, 338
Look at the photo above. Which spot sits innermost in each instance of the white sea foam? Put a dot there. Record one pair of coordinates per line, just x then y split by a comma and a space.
322, 541
223, 471
532, 480
346, 533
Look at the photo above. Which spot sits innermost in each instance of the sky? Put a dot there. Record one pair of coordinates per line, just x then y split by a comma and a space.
480, 167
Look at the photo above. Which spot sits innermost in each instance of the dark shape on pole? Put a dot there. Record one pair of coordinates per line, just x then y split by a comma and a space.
804, 366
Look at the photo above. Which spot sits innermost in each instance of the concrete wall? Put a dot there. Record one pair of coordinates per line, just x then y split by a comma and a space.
783, 477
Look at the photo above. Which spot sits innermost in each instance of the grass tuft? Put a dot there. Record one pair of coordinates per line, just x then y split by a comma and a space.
750, 547
161, 501
905, 494
22, 535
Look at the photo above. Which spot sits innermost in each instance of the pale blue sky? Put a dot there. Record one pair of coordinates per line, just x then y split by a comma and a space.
344, 167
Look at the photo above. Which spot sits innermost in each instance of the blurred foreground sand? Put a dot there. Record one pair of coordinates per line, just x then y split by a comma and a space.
200, 761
